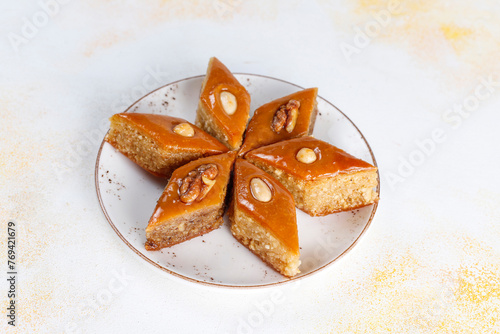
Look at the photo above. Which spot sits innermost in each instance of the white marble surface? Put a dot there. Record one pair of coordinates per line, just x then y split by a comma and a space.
430, 262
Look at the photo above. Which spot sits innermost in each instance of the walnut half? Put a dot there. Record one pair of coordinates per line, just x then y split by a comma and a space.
286, 117
198, 182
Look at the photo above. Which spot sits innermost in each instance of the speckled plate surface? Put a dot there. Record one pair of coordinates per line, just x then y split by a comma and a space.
128, 195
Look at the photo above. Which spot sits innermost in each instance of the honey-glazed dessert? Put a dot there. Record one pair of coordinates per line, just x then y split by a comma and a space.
192, 203
224, 105
160, 143
262, 216
322, 178
288, 117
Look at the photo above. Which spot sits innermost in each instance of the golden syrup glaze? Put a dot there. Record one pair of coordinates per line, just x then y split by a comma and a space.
160, 128
330, 160
259, 131
277, 215
170, 206
218, 80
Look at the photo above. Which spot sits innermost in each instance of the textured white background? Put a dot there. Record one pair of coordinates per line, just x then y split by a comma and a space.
429, 262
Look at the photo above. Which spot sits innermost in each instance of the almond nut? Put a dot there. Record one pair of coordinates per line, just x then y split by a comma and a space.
306, 155
260, 190
228, 102
184, 129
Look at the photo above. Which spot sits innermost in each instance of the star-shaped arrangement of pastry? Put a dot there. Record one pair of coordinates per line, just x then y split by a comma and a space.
272, 166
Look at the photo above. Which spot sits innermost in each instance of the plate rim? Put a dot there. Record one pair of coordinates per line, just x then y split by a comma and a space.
231, 286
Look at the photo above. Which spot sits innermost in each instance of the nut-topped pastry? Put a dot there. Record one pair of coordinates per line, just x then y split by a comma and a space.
224, 105
160, 143
262, 216
192, 203
288, 117
322, 178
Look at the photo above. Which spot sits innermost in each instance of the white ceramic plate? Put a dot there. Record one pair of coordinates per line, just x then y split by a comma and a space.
128, 195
